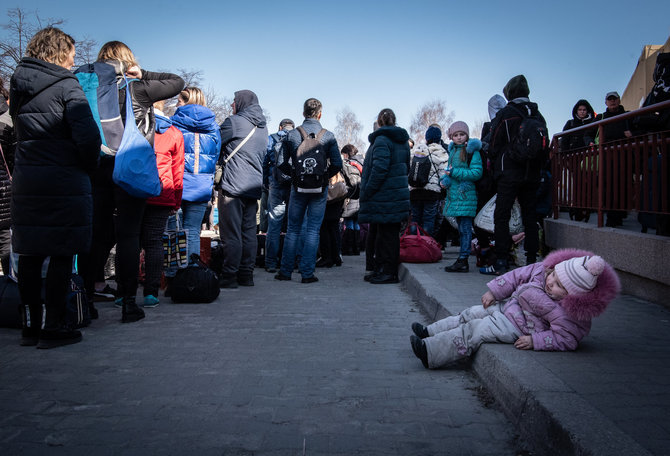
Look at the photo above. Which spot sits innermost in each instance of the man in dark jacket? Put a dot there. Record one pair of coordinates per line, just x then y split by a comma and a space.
612, 132
244, 139
513, 179
279, 189
306, 206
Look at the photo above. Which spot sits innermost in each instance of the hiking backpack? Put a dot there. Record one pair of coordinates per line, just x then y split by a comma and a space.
98, 80
419, 170
311, 163
278, 149
532, 140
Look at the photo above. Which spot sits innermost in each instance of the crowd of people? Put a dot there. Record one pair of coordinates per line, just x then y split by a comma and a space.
59, 168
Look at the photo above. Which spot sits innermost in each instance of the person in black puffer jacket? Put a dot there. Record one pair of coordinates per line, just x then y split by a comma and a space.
114, 208
513, 179
582, 114
58, 143
8, 143
384, 197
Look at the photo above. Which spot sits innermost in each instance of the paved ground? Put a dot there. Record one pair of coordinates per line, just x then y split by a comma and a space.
610, 397
279, 369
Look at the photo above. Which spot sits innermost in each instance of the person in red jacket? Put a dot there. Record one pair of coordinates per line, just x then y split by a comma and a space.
169, 147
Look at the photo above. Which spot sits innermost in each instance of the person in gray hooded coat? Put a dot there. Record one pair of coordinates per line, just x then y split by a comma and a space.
241, 188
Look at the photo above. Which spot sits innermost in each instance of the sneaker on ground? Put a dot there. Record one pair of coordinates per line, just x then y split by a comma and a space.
150, 301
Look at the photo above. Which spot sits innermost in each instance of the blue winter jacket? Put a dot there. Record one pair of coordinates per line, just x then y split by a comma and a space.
191, 119
461, 198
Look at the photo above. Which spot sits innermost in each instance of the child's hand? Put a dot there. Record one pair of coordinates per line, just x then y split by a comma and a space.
488, 299
524, 343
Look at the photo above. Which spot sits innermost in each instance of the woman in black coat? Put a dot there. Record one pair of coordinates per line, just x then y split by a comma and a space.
384, 197
58, 143
8, 143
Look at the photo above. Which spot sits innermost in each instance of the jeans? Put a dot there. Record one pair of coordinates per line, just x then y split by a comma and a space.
351, 223
465, 235
192, 221
277, 199
424, 214
310, 208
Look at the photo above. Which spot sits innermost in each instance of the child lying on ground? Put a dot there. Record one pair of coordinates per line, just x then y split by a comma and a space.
549, 307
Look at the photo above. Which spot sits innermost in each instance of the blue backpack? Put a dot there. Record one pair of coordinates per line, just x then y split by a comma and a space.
102, 92
135, 168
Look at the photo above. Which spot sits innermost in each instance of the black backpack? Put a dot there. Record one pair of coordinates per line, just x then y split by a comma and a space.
419, 170
311, 163
278, 150
195, 283
532, 140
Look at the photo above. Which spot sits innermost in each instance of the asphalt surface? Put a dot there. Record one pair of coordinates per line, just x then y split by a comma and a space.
281, 368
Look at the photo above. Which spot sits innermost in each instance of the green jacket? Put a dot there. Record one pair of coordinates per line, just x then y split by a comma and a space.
384, 189
461, 198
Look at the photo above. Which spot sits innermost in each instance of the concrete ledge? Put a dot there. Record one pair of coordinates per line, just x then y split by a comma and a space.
641, 259
547, 413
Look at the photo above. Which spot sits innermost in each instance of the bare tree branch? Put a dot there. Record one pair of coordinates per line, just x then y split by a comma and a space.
433, 112
348, 129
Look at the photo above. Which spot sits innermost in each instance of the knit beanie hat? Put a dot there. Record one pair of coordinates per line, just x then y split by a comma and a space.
433, 134
458, 126
579, 275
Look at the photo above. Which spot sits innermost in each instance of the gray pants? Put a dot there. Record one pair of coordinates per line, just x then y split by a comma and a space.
459, 336
237, 229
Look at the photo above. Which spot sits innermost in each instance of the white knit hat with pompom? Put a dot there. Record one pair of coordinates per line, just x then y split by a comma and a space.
579, 275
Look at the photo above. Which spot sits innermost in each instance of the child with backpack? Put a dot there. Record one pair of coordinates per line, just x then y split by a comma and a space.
464, 168
426, 166
548, 306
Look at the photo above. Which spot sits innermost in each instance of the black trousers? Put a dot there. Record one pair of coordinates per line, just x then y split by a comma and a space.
237, 229
330, 240
151, 240
383, 247
57, 282
526, 192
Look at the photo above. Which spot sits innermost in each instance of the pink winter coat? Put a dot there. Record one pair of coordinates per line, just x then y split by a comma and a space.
553, 325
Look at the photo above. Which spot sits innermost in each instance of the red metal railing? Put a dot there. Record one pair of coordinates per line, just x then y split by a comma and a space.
635, 174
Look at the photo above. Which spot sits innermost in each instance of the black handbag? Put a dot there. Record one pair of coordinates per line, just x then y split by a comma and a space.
195, 283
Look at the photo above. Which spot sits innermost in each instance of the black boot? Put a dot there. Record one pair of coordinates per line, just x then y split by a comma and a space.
130, 311
32, 322
52, 338
461, 265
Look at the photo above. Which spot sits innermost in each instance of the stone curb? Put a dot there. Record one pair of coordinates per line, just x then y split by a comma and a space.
546, 412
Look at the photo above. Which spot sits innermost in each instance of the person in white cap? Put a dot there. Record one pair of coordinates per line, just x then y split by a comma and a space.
545, 306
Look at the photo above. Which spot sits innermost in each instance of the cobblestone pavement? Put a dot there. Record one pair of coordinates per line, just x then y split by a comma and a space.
282, 368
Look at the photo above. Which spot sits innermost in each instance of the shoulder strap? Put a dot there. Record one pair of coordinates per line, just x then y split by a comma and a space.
4, 160
303, 133
320, 134
239, 146
196, 146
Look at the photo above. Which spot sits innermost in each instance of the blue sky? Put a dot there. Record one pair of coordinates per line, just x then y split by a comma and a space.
368, 55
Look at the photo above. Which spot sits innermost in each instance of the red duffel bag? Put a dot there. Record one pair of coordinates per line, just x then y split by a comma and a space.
419, 247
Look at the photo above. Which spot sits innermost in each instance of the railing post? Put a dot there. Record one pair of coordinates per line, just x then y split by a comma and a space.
601, 177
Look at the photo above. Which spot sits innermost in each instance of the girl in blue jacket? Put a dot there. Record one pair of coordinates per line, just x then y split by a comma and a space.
464, 168
202, 145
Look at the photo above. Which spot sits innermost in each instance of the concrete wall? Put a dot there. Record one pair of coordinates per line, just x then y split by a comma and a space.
642, 260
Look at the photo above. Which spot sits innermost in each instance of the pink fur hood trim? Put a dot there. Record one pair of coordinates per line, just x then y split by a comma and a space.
588, 305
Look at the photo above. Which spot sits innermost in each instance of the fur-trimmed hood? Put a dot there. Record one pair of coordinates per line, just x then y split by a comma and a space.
589, 305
